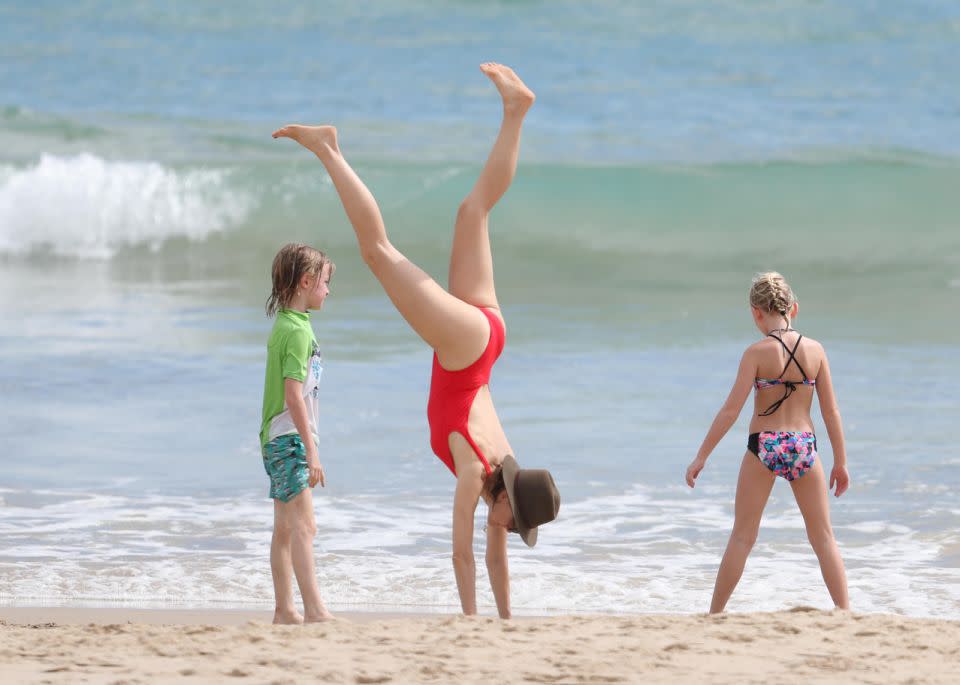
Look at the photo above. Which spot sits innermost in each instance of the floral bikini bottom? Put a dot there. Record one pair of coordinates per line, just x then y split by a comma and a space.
786, 454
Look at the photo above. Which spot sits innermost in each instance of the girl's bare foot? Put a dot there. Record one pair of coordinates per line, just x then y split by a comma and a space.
317, 139
517, 98
287, 618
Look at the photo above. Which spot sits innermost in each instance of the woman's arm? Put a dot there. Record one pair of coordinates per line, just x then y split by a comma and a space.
727, 415
834, 423
293, 396
498, 569
469, 484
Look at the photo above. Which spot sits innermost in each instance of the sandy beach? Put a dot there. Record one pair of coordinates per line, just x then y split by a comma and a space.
675, 151
799, 646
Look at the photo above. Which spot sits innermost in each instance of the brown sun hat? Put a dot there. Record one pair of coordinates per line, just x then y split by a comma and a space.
533, 496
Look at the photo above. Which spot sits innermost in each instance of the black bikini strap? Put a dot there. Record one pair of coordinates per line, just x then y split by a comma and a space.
788, 389
797, 361
792, 354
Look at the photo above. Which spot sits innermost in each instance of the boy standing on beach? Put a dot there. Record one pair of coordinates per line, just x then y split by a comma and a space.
288, 433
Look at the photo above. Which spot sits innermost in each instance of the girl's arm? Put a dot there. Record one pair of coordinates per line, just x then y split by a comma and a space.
293, 396
727, 415
831, 417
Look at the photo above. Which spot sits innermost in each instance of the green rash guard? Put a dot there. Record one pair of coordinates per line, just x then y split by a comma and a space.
292, 352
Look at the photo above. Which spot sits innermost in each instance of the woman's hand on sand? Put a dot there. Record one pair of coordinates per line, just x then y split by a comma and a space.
696, 466
315, 471
840, 478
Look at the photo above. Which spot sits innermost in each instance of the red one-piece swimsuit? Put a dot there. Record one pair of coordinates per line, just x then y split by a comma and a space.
452, 394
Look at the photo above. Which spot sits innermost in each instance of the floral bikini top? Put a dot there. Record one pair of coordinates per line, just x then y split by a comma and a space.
789, 387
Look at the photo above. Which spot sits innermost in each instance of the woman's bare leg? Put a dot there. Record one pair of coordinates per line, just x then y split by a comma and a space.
456, 330
753, 491
810, 491
471, 262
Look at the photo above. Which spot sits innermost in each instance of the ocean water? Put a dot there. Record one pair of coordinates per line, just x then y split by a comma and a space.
674, 150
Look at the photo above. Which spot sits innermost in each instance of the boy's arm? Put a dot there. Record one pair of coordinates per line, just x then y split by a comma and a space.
293, 396
727, 415
831, 418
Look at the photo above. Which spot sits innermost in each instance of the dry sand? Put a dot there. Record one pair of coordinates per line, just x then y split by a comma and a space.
799, 646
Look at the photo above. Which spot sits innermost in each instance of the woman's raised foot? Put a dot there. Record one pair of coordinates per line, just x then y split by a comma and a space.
317, 139
517, 98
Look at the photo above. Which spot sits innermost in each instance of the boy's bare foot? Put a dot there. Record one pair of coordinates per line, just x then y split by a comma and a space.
318, 617
317, 139
287, 618
517, 98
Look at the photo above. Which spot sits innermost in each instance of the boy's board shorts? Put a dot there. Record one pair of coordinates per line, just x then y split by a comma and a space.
285, 461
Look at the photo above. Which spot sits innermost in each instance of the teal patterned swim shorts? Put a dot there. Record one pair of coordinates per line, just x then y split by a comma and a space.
285, 461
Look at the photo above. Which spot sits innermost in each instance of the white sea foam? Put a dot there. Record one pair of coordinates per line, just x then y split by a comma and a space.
86, 206
639, 551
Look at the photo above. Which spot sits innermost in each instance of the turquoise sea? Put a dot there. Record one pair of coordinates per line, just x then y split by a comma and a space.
676, 148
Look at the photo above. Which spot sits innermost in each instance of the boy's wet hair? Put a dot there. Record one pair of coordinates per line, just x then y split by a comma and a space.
293, 262
771, 293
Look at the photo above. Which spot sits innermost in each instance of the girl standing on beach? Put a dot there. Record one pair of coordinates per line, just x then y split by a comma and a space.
288, 433
466, 331
782, 440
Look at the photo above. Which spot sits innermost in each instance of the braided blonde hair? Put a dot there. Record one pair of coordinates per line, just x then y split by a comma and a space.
771, 293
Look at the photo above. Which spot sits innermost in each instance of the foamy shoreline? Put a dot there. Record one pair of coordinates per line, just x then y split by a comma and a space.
54, 645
